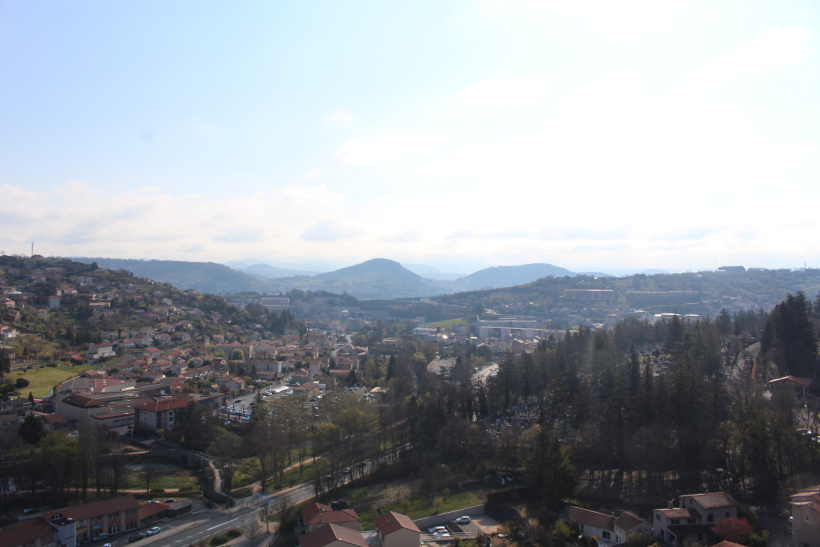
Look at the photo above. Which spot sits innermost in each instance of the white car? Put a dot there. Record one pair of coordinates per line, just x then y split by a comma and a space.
152, 531
437, 529
464, 519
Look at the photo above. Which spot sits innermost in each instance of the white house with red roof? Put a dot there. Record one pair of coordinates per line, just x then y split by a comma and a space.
397, 530
160, 413
799, 387
332, 535
693, 518
100, 351
314, 515
805, 519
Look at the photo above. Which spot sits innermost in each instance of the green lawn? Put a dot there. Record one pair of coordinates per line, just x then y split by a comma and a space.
43, 380
422, 507
448, 323
165, 478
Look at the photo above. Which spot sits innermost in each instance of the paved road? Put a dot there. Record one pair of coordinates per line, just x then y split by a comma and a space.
485, 373
204, 523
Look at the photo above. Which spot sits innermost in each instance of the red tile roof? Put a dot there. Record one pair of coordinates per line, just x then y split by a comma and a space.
675, 513
95, 508
713, 500
151, 509
330, 533
391, 522
591, 518
24, 532
805, 382
317, 513
629, 520
163, 404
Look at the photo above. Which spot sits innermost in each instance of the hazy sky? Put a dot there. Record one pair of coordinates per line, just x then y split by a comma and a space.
611, 134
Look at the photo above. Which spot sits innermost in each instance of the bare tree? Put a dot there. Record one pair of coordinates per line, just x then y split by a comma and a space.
149, 473
265, 512
283, 506
252, 530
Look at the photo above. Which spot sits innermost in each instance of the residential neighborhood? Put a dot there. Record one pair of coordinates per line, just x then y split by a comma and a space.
230, 406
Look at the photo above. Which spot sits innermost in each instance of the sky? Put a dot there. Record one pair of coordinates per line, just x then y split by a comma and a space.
589, 134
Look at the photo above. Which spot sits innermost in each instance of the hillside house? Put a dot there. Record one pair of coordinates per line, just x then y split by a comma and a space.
693, 518
397, 530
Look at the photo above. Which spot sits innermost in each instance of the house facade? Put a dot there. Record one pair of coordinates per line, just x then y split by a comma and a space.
75, 525
332, 535
397, 530
693, 518
805, 519
314, 515
159, 414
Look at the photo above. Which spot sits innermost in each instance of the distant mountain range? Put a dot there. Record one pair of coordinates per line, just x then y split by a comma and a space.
266, 271
376, 278
507, 276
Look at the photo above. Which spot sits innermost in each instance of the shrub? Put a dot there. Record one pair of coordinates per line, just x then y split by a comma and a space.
21, 382
157, 491
219, 539
234, 533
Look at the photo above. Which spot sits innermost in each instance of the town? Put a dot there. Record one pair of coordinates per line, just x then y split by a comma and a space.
133, 411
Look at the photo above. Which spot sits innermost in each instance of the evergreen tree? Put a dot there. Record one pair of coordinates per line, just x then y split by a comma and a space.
790, 339
32, 429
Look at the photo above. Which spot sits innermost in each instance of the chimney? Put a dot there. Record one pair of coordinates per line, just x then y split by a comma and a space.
671, 504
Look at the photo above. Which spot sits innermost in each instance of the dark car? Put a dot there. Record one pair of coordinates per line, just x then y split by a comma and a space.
136, 537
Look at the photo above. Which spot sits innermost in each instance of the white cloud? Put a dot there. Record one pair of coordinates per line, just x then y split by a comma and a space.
776, 47
385, 149
624, 21
332, 229
505, 93
314, 174
340, 116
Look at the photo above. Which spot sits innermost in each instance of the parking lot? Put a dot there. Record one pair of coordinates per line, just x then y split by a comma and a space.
446, 531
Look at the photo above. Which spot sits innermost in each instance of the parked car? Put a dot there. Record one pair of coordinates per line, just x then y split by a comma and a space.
108, 544
152, 531
464, 519
136, 537
437, 529
169, 500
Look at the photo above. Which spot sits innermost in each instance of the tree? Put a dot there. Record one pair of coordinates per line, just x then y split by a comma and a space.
5, 362
225, 448
193, 426
32, 429
237, 355
789, 337
732, 529
547, 468
149, 473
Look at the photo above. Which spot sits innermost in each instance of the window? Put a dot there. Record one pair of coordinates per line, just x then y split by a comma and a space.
605, 534
657, 517
710, 517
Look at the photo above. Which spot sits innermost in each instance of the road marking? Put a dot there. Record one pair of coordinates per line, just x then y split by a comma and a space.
223, 524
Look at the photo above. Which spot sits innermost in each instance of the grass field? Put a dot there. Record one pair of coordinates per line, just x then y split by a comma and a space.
165, 478
43, 380
420, 507
448, 323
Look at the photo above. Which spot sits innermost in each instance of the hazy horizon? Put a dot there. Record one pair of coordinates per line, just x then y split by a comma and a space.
592, 135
